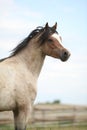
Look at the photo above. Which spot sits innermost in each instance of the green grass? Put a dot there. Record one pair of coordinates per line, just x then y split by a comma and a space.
10, 127
60, 128
6, 127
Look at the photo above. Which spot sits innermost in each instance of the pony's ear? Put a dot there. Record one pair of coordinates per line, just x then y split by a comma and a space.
55, 26
46, 26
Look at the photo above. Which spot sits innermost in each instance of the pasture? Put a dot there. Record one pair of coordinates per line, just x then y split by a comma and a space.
51, 117
10, 127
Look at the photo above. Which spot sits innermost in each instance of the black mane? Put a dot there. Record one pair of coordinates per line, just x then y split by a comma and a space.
46, 32
25, 42
42, 38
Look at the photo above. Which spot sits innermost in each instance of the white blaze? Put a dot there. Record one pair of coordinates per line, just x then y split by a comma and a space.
57, 37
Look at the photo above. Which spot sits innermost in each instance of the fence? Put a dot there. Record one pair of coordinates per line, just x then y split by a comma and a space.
59, 115
52, 116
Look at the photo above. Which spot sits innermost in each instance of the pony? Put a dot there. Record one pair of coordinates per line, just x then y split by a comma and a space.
20, 71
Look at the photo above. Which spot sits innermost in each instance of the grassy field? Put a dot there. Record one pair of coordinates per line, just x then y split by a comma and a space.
10, 127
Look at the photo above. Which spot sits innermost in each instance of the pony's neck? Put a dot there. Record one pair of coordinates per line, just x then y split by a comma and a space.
33, 57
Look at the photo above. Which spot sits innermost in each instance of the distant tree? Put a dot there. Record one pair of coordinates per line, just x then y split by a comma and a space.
56, 101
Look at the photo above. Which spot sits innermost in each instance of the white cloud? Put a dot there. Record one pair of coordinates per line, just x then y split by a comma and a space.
15, 17
6, 7
63, 80
16, 22
72, 68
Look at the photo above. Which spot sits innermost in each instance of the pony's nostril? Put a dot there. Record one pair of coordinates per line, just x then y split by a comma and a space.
65, 54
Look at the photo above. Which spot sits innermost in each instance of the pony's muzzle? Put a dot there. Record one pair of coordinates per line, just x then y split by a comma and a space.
65, 55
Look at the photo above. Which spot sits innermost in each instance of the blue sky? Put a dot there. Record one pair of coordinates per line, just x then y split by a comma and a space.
65, 81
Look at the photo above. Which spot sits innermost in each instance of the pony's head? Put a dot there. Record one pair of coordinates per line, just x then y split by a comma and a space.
51, 43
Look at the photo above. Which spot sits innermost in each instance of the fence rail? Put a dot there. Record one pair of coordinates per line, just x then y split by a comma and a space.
44, 114
60, 115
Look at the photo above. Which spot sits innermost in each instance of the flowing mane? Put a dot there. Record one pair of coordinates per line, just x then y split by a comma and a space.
42, 38
25, 42
45, 34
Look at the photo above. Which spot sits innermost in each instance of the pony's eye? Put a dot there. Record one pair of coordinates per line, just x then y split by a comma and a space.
50, 40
